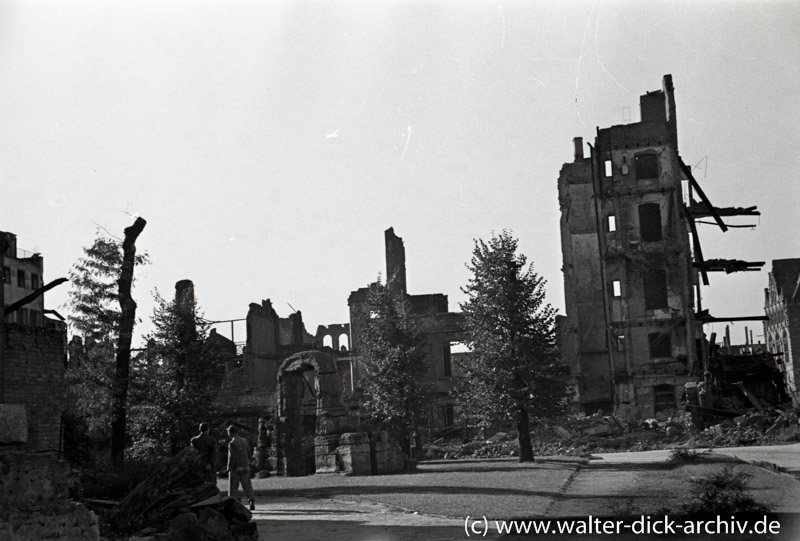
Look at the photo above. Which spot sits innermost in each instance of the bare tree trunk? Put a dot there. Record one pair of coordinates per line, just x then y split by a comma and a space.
523, 427
127, 319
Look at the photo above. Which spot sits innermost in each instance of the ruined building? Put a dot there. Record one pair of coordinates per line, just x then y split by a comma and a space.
35, 483
32, 355
441, 327
782, 329
249, 386
630, 328
633, 264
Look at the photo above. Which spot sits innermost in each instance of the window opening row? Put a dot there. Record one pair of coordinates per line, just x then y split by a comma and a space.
645, 166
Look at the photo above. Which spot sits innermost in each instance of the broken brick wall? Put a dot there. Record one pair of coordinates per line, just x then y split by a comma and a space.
34, 363
34, 500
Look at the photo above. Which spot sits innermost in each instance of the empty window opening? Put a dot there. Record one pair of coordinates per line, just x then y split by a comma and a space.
612, 223
650, 222
20, 278
447, 358
327, 341
655, 289
344, 342
660, 345
6, 275
34, 281
663, 397
609, 171
620, 342
616, 288
646, 166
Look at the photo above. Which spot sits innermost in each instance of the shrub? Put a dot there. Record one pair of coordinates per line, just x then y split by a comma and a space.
721, 492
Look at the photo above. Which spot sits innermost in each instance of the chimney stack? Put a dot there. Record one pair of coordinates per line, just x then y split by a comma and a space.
578, 148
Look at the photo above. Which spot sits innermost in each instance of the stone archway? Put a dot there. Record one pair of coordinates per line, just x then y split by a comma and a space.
303, 445
338, 444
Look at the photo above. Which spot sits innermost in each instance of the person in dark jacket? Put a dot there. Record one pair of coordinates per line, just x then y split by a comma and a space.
239, 467
207, 446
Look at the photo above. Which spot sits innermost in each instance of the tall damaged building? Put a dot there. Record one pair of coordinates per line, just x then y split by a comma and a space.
630, 334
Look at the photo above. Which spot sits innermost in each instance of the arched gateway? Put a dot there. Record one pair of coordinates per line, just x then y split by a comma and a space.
315, 433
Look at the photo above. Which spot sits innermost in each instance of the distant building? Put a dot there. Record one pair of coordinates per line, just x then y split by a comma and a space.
782, 329
22, 274
443, 329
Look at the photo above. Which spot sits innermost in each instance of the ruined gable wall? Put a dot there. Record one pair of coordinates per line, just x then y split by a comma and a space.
583, 339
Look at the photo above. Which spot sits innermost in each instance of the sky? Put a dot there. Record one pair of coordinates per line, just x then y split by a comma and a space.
269, 144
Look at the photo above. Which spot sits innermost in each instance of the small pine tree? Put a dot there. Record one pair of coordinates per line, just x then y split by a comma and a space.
513, 368
392, 355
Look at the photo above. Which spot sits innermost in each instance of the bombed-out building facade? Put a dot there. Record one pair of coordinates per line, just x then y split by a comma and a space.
250, 384
630, 333
633, 266
442, 330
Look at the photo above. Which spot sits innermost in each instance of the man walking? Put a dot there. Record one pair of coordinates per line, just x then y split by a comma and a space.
207, 446
239, 467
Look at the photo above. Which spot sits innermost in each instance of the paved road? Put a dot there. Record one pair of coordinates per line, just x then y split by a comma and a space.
432, 503
785, 456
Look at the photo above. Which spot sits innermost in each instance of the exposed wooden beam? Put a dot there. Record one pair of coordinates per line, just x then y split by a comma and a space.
13, 307
700, 211
701, 193
698, 251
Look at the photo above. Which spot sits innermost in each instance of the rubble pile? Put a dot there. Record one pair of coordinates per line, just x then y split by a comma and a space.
34, 500
765, 427
175, 504
582, 435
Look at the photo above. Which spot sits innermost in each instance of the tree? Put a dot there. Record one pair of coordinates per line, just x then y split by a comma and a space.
127, 321
513, 369
95, 321
175, 379
392, 355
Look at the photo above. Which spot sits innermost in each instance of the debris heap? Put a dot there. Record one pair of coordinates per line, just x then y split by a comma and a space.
175, 504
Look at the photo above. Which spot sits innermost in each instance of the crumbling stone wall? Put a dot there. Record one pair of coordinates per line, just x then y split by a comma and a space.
339, 445
34, 500
34, 362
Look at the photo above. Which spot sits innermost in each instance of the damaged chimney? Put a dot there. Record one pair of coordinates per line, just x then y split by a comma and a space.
578, 148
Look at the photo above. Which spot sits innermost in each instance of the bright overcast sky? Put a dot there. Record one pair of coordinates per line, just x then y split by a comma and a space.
269, 144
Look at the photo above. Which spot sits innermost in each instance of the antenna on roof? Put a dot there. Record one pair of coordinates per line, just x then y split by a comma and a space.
292, 307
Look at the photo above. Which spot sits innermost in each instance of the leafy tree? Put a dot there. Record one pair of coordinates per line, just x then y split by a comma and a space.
513, 369
175, 381
392, 355
94, 320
